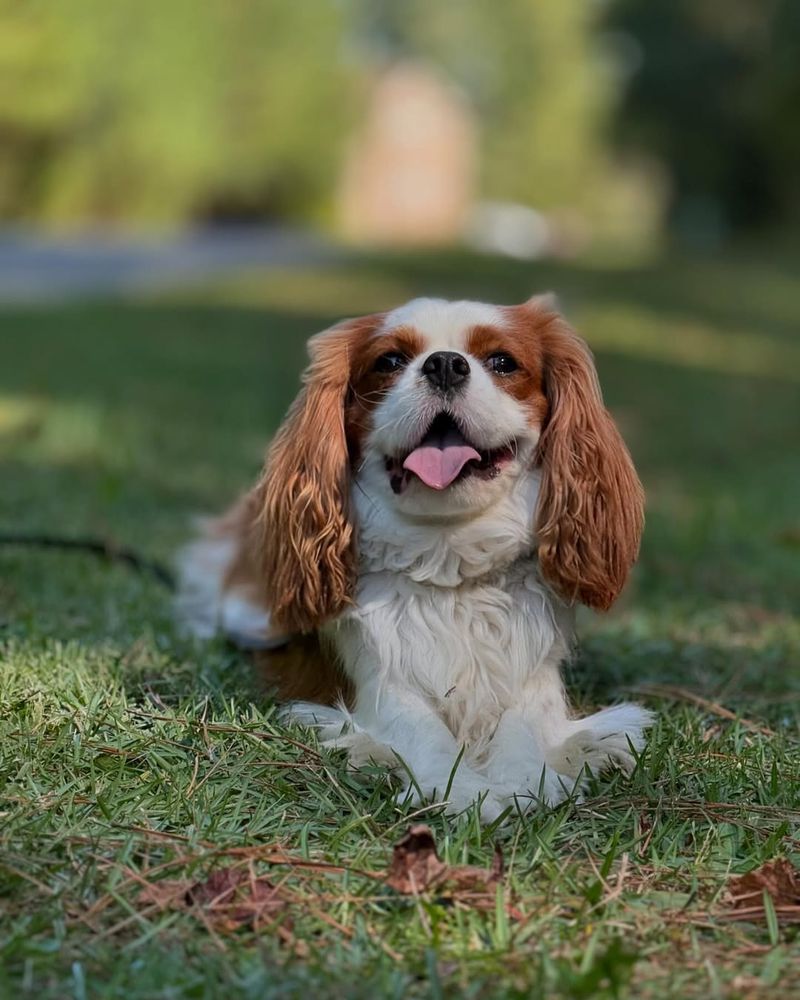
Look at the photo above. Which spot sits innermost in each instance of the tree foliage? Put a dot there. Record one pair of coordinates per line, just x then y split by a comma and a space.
140, 109
715, 98
535, 75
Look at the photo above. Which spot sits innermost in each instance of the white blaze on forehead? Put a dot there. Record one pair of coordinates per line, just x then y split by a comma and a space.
443, 324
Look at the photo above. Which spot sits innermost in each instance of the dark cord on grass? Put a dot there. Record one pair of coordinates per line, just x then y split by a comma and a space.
103, 549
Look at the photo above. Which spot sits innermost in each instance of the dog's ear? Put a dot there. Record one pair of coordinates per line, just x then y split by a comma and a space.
305, 522
591, 504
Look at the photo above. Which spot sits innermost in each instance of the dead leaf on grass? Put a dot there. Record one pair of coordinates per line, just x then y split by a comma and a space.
779, 879
416, 867
790, 537
228, 899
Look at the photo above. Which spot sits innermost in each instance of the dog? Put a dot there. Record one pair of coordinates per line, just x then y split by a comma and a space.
445, 489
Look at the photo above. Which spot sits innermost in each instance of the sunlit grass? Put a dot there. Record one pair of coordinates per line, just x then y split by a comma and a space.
337, 290
646, 333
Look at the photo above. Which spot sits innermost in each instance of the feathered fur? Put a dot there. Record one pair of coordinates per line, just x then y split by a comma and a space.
307, 539
591, 504
443, 609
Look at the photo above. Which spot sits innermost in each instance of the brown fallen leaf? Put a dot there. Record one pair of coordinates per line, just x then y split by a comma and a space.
416, 867
781, 882
228, 899
789, 537
415, 863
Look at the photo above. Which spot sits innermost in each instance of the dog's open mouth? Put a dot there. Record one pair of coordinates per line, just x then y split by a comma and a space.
444, 456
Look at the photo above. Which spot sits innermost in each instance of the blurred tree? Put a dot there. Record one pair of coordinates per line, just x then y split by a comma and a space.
534, 73
777, 94
546, 106
715, 98
168, 111
152, 111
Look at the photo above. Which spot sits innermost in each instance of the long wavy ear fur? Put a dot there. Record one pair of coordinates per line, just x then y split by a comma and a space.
591, 504
308, 542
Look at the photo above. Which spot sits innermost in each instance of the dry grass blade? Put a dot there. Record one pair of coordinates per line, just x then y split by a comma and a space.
713, 707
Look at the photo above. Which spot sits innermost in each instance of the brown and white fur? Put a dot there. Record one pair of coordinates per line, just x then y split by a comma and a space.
433, 615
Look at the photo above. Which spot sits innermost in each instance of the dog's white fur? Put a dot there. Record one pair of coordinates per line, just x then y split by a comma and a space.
454, 642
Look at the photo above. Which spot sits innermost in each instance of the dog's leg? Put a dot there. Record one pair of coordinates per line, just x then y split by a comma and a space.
519, 763
538, 753
424, 746
610, 738
518, 768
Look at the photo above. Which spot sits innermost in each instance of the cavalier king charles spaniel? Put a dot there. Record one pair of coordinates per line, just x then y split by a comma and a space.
444, 490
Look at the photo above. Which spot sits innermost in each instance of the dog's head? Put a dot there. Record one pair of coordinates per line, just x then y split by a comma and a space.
443, 406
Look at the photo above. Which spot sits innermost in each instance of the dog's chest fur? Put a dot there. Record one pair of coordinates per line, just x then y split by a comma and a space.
463, 620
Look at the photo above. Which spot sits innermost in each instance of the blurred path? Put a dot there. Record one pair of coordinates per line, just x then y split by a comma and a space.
36, 268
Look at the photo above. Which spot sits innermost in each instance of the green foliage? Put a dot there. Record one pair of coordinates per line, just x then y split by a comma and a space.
715, 98
159, 112
547, 118
535, 76
168, 112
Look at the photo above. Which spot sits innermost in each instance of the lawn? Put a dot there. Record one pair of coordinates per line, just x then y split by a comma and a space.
135, 765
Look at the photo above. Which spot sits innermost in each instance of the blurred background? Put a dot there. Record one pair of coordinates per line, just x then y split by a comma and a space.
188, 191
535, 128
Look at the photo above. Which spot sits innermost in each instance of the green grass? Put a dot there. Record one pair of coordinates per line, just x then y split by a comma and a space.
128, 755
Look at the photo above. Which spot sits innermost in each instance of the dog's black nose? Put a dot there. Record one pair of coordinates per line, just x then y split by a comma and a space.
446, 369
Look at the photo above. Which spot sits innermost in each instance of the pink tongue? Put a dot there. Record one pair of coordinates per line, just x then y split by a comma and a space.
438, 467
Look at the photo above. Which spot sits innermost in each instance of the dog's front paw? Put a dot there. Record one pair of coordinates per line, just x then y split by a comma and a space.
597, 753
610, 738
462, 795
548, 788
464, 791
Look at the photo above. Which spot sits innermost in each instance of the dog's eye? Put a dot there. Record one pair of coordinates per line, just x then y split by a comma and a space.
391, 362
501, 364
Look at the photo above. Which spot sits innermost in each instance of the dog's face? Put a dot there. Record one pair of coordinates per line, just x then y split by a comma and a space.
446, 407
440, 407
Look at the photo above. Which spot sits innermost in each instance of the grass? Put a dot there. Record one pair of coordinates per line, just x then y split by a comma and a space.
128, 755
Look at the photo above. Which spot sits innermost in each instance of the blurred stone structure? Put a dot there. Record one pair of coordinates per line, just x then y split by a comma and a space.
410, 174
